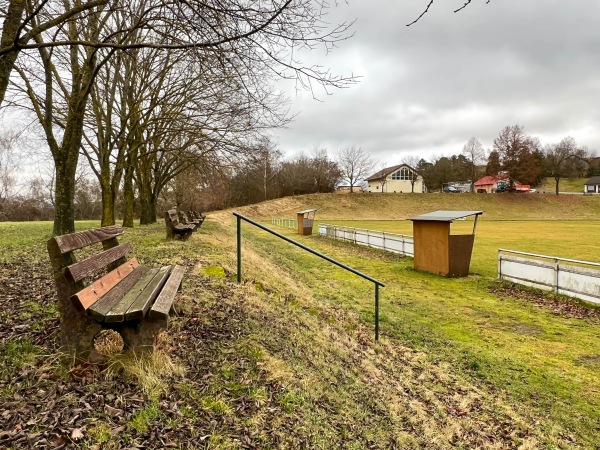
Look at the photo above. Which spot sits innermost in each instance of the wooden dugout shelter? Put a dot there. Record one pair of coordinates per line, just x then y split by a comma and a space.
436, 250
305, 221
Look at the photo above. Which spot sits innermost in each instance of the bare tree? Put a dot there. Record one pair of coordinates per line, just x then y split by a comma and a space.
242, 40
430, 4
354, 164
9, 163
520, 154
412, 161
559, 159
475, 154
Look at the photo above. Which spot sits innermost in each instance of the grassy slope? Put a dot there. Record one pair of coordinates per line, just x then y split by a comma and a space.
287, 359
403, 206
565, 185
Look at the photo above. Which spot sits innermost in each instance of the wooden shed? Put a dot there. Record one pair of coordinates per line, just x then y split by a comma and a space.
436, 250
306, 220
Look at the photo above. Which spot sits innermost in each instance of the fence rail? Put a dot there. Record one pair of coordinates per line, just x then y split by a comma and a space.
285, 223
391, 242
572, 277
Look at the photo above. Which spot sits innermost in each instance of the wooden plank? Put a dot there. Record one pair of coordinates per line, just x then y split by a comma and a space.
89, 295
80, 270
74, 241
141, 305
117, 313
162, 305
99, 309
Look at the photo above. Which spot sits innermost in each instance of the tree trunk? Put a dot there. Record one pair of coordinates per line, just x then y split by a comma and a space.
108, 205
10, 27
557, 181
148, 206
64, 195
128, 195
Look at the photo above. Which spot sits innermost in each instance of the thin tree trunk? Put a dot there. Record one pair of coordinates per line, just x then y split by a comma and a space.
557, 181
128, 196
10, 27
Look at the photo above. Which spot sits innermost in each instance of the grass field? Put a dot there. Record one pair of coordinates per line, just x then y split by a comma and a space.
565, 239
564, 185
287, 359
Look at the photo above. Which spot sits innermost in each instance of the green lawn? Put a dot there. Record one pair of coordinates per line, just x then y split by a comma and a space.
565, 239
509, 343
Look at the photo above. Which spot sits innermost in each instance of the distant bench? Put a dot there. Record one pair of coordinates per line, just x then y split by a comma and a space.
197, 216
175, 228
190, 219
113, 291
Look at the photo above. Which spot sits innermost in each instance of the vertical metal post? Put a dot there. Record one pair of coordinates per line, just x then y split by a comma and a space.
556, 269
376, 312
239, 249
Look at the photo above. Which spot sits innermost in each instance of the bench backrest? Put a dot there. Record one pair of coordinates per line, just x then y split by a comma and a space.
171, 216
185, 218
196, 215
108, 266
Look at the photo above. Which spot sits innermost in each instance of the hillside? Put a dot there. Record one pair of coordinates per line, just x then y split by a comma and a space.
403, 206
565, 185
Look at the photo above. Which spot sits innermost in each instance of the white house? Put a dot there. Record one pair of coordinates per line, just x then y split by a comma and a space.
401, 178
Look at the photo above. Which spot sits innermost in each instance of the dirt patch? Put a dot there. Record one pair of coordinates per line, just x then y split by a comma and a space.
556, 304
588, 360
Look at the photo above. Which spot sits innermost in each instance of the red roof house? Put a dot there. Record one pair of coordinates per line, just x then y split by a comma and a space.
498, 183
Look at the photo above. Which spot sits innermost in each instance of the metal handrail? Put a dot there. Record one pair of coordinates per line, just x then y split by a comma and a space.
385, 233
376, 282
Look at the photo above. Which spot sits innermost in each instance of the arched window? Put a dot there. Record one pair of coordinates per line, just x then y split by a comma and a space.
404, 174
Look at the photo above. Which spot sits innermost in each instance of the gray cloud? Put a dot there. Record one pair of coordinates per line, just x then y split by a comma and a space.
428, 88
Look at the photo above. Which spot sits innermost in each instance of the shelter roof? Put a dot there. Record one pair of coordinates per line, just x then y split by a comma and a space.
593, 181
306, 211
445, 216
388, 170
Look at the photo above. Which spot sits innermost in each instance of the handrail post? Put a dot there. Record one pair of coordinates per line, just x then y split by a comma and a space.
376, 312
239, 249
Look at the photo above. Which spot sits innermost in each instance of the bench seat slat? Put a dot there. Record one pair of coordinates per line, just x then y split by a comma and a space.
74, 241
89, 295
117, 313
142, 303
183, 227
78, 271
162, 305
99, 309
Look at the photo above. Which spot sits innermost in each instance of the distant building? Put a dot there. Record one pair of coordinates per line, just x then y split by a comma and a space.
592, 186
498, 183
398, 178
346, 189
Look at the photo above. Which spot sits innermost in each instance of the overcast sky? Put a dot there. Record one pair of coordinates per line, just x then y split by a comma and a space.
426, 89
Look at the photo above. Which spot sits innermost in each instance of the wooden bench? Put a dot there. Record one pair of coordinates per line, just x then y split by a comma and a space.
174, 228
197, 215
189, 220
107, 290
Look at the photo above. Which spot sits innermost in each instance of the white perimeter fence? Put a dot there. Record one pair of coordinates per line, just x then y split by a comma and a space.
286, 223
580, 279
392, 242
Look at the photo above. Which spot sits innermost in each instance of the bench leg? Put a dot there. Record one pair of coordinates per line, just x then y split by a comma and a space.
141, 335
